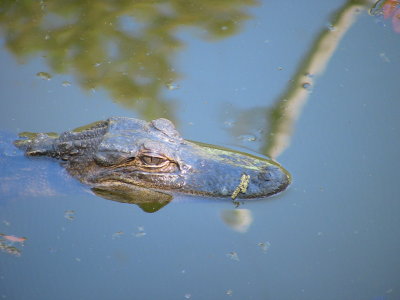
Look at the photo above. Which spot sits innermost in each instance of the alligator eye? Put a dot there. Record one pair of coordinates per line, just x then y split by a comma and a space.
152, 160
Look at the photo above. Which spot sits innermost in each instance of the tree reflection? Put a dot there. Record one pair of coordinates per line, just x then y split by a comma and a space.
125, 47
278, 121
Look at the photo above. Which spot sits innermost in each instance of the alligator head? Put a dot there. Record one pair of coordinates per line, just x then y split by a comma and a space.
123, 154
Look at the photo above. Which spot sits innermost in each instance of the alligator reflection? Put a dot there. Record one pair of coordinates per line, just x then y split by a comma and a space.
125, 47
238, 219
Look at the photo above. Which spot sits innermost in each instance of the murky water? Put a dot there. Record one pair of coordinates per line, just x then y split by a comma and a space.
314, 85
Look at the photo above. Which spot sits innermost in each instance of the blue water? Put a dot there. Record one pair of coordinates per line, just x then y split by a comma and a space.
332, 235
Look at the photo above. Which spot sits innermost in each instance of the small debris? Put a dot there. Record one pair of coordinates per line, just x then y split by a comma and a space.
43, 75
117, 234
242, 187
247, 138
188, 296
264, 246
69, 215
140, 232
9, 249
384, 57
233, 255
229, 292
7, 243
66, 83
12, 238
172, 86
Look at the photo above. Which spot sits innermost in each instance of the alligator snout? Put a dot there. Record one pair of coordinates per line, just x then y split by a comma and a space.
273, 179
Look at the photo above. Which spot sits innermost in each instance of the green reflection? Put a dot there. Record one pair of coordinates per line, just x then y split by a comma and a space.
125, 47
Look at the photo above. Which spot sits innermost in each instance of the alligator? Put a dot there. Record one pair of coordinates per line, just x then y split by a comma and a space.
122, 157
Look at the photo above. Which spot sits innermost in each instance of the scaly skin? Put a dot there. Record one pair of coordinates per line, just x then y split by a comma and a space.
127, 154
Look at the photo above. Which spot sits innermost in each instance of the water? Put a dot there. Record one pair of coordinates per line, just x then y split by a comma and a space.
231, 74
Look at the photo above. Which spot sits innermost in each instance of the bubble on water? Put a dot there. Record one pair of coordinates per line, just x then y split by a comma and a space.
331, 27
43, 75
247, 138
172, 86
264, 246
117, 234
69, 215
384, 57
229, 123
66, 83
233, 255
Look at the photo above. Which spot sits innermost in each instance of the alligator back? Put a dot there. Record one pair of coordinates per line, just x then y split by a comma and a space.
66, 145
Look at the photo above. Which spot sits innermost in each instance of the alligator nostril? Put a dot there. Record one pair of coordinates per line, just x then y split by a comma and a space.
265, 176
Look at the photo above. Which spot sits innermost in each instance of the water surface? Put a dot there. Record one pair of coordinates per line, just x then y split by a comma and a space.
315, 85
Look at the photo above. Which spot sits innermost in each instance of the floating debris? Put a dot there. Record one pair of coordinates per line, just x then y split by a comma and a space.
140, 232
242, 187
12, 238
66, 83
69, 215
264, 246
172, 86
247, 138
384, 57
229, 292
7, 223
9, 249
233, 255
7, 243
117, 234
331, 27
43, 75
229, 123
188, 296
